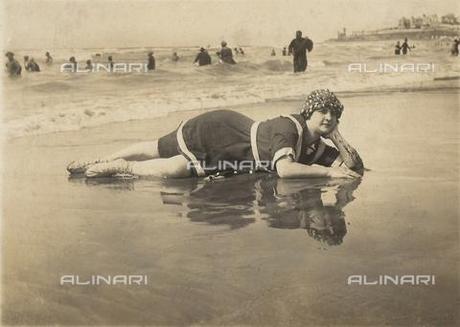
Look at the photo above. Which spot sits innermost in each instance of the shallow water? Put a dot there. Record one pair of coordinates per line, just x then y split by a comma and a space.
251, 249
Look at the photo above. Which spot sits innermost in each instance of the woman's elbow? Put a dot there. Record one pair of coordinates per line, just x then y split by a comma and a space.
282, 169
282, 174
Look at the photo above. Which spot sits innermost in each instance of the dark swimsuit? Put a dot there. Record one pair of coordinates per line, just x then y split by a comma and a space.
225, 135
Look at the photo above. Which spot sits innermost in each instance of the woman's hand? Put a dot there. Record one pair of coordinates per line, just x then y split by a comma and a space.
333, 134
342, 172
348, 154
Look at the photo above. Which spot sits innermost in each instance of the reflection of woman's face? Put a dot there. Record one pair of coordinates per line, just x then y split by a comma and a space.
319, 220
322, 121
327, 224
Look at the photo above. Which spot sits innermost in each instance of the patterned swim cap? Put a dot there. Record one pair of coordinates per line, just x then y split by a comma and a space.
320, 99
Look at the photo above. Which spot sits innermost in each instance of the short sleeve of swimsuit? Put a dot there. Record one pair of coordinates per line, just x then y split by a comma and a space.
284, 141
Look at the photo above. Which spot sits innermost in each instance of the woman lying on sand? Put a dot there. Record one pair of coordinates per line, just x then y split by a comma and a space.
226, 142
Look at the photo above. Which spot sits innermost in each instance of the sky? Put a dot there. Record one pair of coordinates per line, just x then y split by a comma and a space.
53, 24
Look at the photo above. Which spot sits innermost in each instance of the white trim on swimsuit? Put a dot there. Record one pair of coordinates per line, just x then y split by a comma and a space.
287, 151
299, 127
183, 146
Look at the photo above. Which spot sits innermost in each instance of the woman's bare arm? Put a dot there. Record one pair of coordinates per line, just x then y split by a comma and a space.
348, 154
288, 168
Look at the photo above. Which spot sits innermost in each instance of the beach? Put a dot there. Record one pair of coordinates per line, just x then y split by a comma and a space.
244, 250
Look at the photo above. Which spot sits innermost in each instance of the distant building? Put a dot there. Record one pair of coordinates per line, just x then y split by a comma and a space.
416, 22
404, 23
450, 19
425, 21
425, 26
342, 35
433, 20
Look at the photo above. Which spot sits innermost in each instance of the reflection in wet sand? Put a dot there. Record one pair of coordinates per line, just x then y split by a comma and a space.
314, 205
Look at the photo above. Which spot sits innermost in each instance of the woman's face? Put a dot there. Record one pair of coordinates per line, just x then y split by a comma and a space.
322, 121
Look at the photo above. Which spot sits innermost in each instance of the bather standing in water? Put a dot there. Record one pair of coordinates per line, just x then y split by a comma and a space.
203, 58
150, 61
454, 50
89, 65
73, 63
225, 54
49, 59
26, 63
299, 47
175, 58
290, 146
110, 63
405, 46
33, 66
398, 48
13, 67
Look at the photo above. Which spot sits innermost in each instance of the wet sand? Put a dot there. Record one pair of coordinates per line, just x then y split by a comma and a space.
249, 250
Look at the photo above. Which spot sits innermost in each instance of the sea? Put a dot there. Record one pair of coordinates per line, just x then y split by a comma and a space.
57, 100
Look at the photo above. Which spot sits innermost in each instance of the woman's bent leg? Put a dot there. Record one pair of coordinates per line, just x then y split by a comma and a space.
174, 167
137, 152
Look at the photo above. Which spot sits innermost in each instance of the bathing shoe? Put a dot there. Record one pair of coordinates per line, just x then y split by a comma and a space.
110, 168
79, 167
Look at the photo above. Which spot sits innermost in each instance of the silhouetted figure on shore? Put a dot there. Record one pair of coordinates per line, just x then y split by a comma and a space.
150, 61
284, 52
273, 54
13, 67
203, 58
299, 47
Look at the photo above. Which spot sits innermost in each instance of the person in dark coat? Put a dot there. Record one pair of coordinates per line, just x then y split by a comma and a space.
299, 47
151, 61
203, 58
